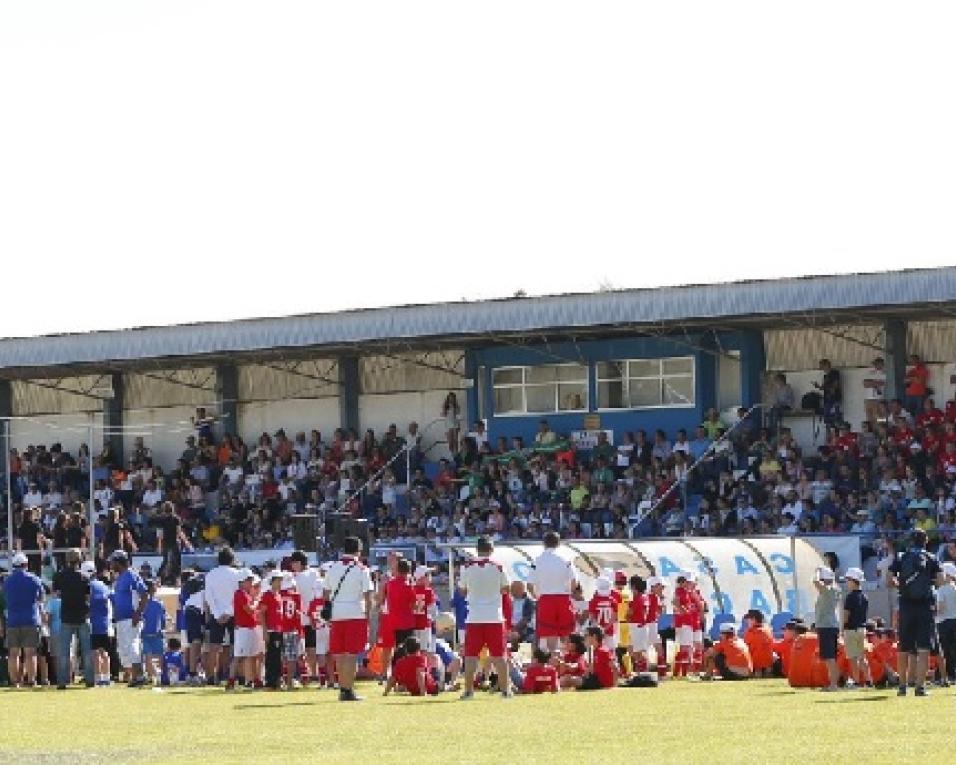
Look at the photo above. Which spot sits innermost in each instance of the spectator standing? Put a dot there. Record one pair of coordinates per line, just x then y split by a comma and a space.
874, 391
917, 384
23, 594
827, 622
129, 603
451, 412
348, 589
832, 389
914, 573
74, 592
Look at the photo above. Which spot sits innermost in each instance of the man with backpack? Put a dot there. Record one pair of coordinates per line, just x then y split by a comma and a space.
915, 573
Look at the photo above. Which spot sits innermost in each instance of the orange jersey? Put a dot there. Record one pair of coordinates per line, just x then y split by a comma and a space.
736, 652
759, 642
782, 648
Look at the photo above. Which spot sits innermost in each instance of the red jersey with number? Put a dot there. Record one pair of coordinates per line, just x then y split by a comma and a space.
638, 608
406, 669
291, 612
315, 612
603, 666
540, 678
244, 608
400, 599
271, 604
603, 612
424, 600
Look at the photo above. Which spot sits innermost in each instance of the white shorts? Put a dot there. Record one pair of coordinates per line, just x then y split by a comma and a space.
129, 643
653, 638
610, 642
249, 643
684, 636
426, 640
322, 640
698, 637
639, 641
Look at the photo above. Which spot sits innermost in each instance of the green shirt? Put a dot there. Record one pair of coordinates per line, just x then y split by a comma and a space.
826, 613
578, 496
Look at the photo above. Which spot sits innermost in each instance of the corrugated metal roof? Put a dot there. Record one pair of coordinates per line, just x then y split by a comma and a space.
625, 307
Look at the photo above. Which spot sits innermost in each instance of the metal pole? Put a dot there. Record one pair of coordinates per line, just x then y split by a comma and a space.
451, 591
90, 509
9, 495
408, 467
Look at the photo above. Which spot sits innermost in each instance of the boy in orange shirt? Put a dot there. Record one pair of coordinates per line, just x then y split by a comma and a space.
887, 655
783, 647
759, 640
729, 656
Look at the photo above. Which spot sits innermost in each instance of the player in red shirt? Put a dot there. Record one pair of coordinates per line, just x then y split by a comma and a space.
424, 609
291, 629
248, 635
685, 620
572, 665
386, 634
699, 606
321, 639
602, 666
400, 599
655, 608
541, 676
637, 623
602, 609
270, 617
410, 671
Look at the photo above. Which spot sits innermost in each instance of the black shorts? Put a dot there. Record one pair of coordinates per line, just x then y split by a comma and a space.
194, 625
309, 636
827, 645
590, 682
218, 632
915, 626
101, 642
402, 635
726, 673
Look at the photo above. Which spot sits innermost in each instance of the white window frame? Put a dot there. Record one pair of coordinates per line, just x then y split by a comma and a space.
524, 385
661, 377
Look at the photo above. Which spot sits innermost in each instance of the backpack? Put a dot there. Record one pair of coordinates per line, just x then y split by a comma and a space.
915, 581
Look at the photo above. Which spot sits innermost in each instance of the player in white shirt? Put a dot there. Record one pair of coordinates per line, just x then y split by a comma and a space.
484, 583
308, 582
221, 585
552, 580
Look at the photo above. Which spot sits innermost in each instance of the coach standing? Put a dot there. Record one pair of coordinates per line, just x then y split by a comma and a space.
914, 574
219, 593
23, 593
348, 587
129, 602
552, 580
74, 592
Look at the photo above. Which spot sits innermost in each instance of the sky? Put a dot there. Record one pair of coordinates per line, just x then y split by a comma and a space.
179, 161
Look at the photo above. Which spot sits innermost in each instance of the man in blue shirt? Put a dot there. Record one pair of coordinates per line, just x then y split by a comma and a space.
129, 602
23, 593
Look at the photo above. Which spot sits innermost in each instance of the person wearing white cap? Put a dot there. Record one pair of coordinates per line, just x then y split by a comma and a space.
602, 609
552, 581
249, 645
827, 622
729, 656
23, 593
855, 608
946, 621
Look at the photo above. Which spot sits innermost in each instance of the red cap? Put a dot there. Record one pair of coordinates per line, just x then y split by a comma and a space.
620, 577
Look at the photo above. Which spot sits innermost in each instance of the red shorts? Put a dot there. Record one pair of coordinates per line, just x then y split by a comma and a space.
386, 635
478, 636
348, 636
555, 616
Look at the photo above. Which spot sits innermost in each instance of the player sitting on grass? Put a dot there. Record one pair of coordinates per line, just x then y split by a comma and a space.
729, 657
572, 665
541, 676
759, 640
410, 672
173, 669
602, 667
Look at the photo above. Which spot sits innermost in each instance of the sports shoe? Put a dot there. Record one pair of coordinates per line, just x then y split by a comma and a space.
231, 684
921, 691
138, 682
467, 696
508, 694
901, 691
348, 695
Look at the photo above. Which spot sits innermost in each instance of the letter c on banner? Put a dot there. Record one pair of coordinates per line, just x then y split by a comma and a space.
522, 570
782, 564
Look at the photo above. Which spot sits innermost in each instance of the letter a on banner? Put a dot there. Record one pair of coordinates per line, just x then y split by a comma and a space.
759, 602
744, 566
667, 567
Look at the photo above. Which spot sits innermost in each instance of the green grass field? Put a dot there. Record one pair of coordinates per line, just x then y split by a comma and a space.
685, 722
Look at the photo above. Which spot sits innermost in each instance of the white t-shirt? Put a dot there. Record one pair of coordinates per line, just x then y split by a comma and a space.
875, 375
552, 575
483, 581
946, 603
221, 585
308, 582
350, 601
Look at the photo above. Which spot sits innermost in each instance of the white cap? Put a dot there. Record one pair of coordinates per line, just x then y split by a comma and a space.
653, 581
825, 574
949, 569
276, 574
421, 571
245, 573
603, 585
690, 576
87, 568
608, 573
19, 559
856, 574
727, 628
255, 579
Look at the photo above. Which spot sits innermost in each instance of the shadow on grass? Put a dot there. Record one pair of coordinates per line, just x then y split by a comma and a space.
278, 706
851, 700
780, 693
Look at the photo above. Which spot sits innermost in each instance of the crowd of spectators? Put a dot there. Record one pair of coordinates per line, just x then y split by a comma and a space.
893, 473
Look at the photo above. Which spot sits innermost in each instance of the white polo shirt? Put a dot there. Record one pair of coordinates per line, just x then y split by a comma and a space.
356, 581
552, 575
309, 583
221, 585
483, 581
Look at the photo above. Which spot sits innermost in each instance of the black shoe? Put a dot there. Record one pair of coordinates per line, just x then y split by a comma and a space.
901, 691
921, 691
61, 687
348, 695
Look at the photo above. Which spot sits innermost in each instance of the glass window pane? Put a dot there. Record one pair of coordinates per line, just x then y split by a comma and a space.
610, 370
644, 393
507, 376
540, 398
610, 395
678, 391
678, 366
572, 372
542, 373
572, 397
644, 368
508, 400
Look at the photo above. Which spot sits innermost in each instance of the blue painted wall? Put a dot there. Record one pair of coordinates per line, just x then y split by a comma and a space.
750, 345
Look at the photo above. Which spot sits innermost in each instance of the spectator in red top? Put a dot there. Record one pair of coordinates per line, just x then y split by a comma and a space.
930, 416
541, 676
410, 672
917, 384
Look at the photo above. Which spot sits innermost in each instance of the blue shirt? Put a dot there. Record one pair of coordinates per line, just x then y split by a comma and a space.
127, 590
173, 660
154, 617
99, 608
53, 609
23, 592
460, 603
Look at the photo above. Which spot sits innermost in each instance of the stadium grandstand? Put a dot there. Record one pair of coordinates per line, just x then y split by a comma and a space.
644, 412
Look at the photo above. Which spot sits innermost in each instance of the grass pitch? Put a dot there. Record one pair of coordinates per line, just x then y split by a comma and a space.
681, 722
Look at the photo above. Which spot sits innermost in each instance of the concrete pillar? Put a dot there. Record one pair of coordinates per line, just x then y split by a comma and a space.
227, 397
707, 373
112, 421
349, 392
895, 357
753, 364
